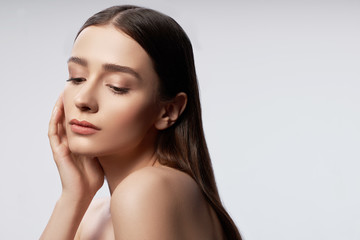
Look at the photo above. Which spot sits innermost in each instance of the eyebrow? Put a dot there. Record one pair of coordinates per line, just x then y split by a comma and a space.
78, 60
107, 67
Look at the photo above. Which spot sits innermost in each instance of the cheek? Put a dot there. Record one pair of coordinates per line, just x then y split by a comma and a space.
126, 124
133, 118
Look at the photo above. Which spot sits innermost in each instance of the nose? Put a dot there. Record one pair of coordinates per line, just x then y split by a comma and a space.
86, 100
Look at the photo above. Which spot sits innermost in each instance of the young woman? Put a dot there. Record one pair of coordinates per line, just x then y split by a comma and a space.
130, 112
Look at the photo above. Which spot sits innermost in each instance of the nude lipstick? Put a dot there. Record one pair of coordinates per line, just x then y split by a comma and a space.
83, 127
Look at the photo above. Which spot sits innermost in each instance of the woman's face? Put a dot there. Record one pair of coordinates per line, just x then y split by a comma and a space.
112, 86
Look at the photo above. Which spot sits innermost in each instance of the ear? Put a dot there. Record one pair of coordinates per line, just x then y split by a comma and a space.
171, 111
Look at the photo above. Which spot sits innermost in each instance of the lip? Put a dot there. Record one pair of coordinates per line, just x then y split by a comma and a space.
83, 127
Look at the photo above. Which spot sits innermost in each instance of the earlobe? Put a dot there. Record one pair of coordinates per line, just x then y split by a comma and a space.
171, 111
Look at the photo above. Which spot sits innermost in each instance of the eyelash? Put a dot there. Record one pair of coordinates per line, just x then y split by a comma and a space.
115, 90
76, 81
118, 90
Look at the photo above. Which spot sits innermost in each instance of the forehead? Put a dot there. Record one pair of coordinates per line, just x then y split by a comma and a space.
105, 44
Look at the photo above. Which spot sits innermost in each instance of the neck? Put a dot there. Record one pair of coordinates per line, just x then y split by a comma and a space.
118, 166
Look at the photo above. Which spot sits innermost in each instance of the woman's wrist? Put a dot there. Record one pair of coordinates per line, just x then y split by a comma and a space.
77, 201
67, 215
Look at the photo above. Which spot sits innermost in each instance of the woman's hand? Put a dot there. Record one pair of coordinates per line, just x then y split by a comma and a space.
81, 176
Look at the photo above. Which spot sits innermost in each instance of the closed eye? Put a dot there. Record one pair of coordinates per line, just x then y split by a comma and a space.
76, 81
119, 90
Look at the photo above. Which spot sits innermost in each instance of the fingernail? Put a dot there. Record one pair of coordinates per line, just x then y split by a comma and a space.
55, 110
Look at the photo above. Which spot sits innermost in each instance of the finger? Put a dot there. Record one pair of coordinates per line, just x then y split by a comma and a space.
53, 127
53, 132
61, 126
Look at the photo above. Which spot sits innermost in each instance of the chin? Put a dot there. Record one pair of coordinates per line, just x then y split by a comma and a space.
82, 151
83, 148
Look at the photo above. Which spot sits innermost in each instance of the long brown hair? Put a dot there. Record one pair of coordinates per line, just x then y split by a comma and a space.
183, 145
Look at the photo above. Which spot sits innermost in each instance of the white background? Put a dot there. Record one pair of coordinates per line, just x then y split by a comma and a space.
279, 87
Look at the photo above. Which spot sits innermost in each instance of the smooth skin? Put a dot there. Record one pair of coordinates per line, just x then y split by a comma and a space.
115, 87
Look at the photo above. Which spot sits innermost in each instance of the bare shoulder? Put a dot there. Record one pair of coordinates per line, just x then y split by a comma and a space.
158, 203
160, 182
